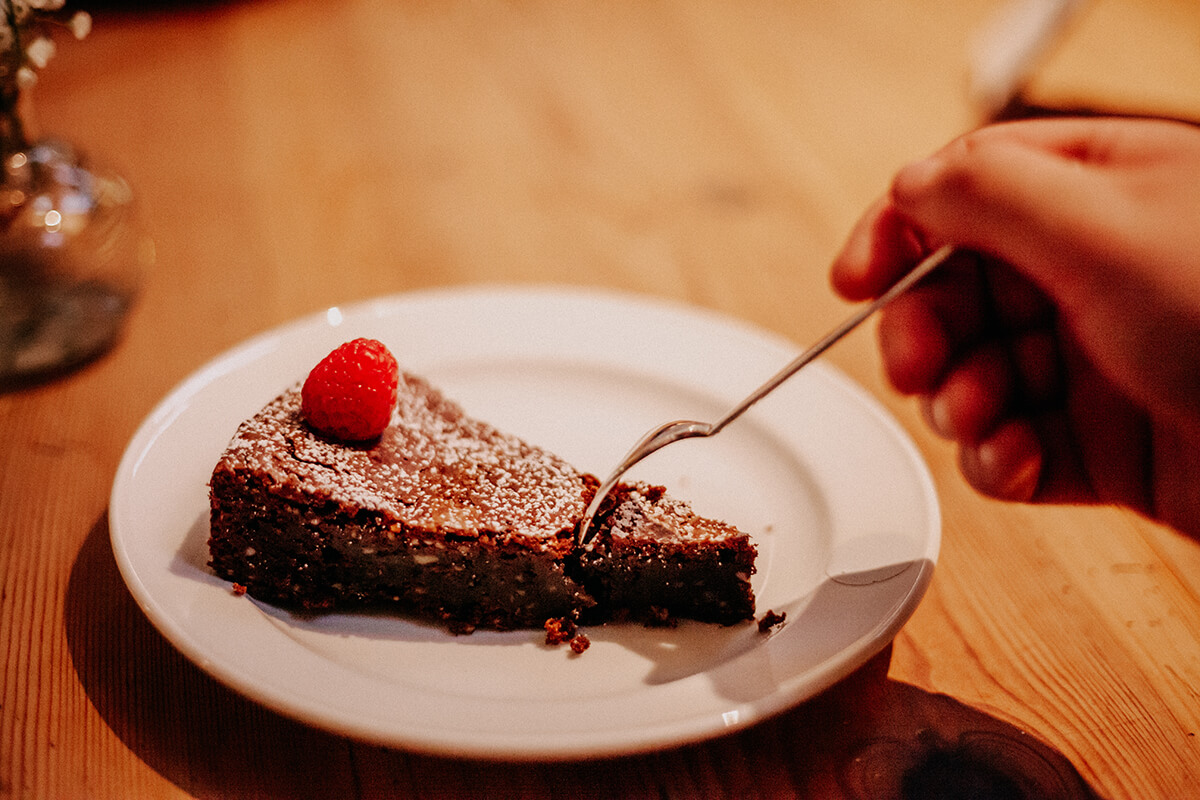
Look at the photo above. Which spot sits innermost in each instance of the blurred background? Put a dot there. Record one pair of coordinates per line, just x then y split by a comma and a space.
321, 153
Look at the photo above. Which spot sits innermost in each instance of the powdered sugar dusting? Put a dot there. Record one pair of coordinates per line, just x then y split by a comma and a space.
433, 468
647, 512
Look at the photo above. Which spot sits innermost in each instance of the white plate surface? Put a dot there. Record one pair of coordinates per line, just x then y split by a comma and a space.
837, 498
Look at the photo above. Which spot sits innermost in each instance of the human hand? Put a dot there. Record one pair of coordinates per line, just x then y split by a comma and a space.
1061, 348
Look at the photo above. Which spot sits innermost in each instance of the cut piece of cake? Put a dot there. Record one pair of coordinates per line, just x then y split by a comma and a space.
447, 517
655, 559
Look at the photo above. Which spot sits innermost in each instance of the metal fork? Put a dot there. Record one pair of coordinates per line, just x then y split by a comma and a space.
663, 435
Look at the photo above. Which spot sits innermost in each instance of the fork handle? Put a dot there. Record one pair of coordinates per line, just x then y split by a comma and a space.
898, 288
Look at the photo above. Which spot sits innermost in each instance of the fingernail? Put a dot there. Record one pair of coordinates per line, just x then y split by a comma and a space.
937, 412
1018, 481
1025, 481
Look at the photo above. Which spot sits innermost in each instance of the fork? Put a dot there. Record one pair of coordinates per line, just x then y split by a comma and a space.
663, 435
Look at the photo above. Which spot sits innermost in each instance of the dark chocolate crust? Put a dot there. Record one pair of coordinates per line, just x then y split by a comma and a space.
447, 517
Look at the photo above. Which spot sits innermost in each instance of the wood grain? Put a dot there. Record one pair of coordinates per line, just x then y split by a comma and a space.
289, 155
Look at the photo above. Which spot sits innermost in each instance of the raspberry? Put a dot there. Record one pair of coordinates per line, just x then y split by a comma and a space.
351, 392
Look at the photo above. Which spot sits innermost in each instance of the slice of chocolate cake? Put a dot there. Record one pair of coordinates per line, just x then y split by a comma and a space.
445, 516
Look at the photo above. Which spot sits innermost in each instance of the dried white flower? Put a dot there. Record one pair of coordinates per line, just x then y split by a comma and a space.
20, 9
25, 42
40, 51
81, 24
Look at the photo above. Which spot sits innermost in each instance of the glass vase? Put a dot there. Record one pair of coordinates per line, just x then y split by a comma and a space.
71, 258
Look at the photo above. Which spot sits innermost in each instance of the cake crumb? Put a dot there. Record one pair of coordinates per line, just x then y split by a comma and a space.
239, 589
460, 628
580, 642
770, 620
559, 630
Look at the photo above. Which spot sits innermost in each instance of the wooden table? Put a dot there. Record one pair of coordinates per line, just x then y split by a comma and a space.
290, 155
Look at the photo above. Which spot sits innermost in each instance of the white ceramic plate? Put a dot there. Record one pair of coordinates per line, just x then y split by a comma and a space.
838, 500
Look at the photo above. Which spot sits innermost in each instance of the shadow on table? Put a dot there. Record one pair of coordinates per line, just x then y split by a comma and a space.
868, 737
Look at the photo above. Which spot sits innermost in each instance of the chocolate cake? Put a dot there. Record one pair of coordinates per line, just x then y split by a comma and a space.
449, 518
